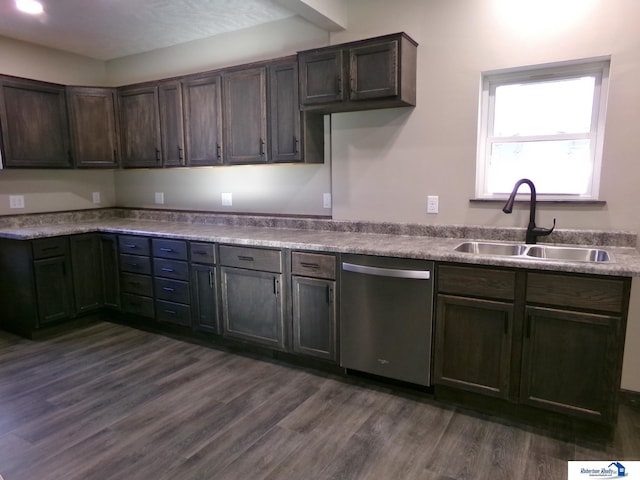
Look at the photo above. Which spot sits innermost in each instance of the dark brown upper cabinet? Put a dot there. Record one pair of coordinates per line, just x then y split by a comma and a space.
171, 127
245, 116
92, 122
34, 122
203, 119
140, 126
364, 75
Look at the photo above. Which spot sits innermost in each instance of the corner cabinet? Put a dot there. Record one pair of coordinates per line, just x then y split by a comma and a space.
33, 117
94, 132
553, 341
368, 74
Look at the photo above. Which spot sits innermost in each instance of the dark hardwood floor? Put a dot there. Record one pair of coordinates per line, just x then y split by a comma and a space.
107, 401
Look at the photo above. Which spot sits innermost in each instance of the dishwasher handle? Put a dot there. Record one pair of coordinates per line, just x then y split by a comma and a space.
387, 272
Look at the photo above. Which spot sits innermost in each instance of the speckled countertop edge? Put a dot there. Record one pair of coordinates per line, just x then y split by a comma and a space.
330, 236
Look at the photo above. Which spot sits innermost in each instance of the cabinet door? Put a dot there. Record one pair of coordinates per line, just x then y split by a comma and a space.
286, 135
92, 120
473, 344
245, 116
252, 306
53, 289
373, 71
204, 301
110, 270
571, 361
35, 131
87, 272
314, 317
203, 120
321, 77
172, 133
140, 127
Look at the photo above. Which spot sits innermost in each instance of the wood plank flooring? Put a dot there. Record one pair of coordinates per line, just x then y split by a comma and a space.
108, 401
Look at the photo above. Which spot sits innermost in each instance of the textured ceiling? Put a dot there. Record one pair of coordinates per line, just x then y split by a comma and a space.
107, 29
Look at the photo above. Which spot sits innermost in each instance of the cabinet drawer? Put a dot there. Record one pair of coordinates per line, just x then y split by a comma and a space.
477, 282
175, 269
137, 305
49, 247
606, 295
251, 258
135, 264
313, 265
133, 244
172, 290
173, 313
136, 284
176, 249
203, 252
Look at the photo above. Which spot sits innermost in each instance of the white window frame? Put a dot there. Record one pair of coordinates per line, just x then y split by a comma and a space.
598, 67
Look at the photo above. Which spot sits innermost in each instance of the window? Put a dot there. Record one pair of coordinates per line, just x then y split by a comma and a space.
545, 124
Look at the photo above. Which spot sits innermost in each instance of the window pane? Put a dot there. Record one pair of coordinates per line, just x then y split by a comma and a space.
556, 167
544, 108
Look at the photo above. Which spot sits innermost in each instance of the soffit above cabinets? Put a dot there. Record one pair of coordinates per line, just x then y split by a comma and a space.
108, 29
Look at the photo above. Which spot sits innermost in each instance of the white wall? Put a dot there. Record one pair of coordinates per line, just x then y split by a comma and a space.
386, 162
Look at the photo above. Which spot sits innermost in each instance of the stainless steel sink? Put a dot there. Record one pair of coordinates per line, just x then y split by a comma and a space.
568, 254
486, 248
537, 252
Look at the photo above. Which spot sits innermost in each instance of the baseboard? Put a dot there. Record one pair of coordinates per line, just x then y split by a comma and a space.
629, 398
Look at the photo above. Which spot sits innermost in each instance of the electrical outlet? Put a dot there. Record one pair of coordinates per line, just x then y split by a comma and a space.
432, 204
96, 197
226, 199
16, 201
326, 200
159, 197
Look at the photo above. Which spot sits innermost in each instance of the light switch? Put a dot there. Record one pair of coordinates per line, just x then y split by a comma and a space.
96, 197
226, 199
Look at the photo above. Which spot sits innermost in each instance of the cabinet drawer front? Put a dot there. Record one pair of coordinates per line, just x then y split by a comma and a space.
606, 295
203, 252
137, 305
49, 247
170, 269
173, 313
135, 264
172, 290
136, 284
476, 282
133, 244
251, 258
176, 249
313, 265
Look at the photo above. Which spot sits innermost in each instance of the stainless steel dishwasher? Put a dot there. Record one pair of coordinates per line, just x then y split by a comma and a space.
386, 310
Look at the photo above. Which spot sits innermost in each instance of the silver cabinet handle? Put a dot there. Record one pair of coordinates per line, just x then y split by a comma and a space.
387, 272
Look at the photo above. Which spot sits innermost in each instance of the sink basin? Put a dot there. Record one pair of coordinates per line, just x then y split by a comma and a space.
569, 254
486, 248
538, 252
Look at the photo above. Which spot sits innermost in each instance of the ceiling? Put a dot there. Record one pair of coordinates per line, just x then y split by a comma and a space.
108, 29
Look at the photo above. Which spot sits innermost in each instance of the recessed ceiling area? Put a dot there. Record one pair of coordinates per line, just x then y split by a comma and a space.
109, 29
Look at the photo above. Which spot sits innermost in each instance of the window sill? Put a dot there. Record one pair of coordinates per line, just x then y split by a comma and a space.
597, 203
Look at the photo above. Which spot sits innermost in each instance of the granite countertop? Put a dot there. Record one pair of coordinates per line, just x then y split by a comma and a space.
626, 259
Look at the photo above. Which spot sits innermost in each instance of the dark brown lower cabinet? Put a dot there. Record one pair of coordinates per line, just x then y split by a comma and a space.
474, 338
314, 317
569, 361
556, 344
54, 289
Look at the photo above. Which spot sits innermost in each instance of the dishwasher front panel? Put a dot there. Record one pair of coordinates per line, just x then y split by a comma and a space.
386, 311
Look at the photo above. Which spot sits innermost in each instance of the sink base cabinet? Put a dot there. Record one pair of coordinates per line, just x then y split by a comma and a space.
555, 345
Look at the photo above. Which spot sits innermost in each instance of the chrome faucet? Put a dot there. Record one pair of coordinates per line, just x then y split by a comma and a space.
533, 232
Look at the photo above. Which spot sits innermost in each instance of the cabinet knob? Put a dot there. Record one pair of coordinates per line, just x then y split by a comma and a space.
157, 154
261, 147
180, 156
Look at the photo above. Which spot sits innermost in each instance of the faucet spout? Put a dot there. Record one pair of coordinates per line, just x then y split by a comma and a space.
533, 232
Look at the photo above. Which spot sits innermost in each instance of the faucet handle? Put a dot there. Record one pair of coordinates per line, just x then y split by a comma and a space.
540, 232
